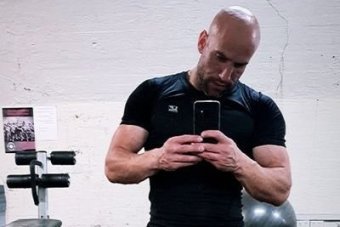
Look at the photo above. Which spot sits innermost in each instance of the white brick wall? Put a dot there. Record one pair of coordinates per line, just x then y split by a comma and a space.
85, 57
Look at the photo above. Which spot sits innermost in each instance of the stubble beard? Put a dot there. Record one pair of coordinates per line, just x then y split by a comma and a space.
203, 85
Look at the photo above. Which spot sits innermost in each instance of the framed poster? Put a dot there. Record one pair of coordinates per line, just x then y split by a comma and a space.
18, 126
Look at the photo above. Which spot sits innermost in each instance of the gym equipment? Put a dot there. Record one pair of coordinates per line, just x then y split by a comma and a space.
261, 214
39, 180
2, 205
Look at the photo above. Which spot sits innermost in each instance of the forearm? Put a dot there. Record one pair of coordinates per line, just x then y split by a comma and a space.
130, 168
124, 164
267, 184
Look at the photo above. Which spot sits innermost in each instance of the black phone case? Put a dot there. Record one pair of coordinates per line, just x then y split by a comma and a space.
206, 116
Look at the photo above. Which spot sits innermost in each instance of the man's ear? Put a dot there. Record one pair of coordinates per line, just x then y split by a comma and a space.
202, 41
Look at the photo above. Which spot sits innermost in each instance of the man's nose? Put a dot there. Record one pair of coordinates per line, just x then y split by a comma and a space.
226, 73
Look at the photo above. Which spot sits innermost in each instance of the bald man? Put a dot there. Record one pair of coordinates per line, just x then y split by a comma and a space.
194, 182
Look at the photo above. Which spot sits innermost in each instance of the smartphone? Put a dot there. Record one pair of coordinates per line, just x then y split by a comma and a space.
206, 115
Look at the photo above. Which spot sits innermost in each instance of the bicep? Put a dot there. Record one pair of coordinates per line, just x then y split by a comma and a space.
129, 139
275, 168
121, 163
271, 156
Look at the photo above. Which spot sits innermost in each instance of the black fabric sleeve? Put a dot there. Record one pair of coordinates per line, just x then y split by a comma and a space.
270, 127
139, 105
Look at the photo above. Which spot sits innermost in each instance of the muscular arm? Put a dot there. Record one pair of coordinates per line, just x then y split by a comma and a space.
123, 163
268, 178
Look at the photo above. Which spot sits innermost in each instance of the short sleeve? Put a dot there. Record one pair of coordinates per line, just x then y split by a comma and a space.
270, 127
139, 105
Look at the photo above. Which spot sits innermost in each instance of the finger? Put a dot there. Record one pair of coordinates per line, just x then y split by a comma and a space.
211, 148
193, 148
188, 159
179, 165
178, 161
209, 156
183, 139
215, 134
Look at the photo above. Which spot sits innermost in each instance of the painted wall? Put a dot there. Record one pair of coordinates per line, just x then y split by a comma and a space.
85, 57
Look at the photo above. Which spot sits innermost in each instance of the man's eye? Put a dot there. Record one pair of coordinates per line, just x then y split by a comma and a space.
239, 65
221, 58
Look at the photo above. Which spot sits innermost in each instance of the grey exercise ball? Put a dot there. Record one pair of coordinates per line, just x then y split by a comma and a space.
260, 214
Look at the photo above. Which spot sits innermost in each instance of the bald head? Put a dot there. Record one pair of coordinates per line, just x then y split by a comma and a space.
239, 13
226, 50
238, 20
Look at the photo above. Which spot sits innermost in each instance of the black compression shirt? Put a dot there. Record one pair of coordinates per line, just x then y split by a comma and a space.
200, 195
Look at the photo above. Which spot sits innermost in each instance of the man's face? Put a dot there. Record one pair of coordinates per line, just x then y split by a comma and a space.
224, 58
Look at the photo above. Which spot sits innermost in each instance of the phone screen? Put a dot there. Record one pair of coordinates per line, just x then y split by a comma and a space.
206, 116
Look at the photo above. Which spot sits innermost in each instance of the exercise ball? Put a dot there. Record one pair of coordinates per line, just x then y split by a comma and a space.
261, 214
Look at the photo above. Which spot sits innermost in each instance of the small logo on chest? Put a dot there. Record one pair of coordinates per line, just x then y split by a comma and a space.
173, 108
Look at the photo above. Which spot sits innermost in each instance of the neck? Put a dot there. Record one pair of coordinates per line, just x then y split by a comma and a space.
192, 78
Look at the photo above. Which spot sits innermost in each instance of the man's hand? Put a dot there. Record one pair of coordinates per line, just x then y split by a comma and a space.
180, 151
223, 154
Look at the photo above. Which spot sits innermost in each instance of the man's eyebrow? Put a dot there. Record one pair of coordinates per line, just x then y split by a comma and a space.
226, 58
